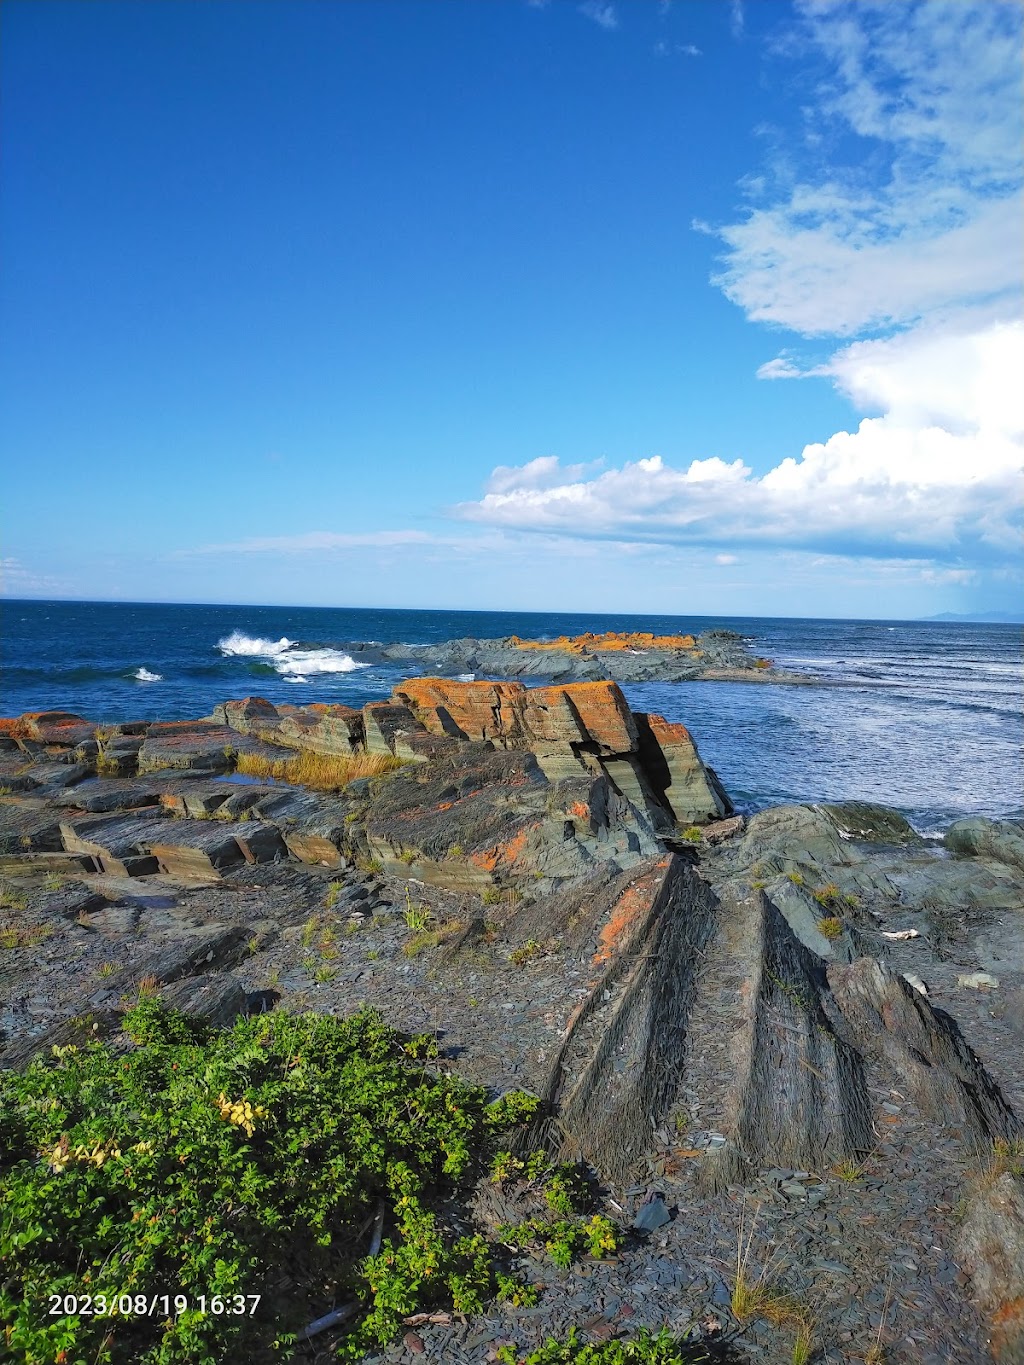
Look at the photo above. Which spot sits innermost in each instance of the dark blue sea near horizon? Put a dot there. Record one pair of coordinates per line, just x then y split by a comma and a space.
923, 716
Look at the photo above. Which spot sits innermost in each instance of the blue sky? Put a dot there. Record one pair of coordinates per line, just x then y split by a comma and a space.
702, 306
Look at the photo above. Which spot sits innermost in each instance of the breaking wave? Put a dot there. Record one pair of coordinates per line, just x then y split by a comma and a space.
292, 662
237, 643
145, 675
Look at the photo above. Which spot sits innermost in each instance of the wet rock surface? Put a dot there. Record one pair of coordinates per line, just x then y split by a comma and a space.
714, 1008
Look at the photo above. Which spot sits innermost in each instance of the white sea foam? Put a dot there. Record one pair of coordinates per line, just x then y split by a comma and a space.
293, 664
144, 675
237, 643
299, 662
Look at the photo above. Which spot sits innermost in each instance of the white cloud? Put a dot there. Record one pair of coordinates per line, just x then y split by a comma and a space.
886, 488
926, 212
16, 580
726, 559
316, 541
663, 49
543, 472
602, 12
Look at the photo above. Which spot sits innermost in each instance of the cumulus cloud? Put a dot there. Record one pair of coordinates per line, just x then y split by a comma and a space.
883, 489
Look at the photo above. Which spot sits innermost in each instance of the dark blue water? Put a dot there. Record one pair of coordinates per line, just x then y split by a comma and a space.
923, 716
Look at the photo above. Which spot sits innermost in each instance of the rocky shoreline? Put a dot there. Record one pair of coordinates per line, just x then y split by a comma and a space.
717, 655
807, 1024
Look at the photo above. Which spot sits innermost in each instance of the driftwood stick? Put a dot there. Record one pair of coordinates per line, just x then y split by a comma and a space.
338, 1315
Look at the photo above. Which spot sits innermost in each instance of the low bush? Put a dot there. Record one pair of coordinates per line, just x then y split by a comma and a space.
233, 1164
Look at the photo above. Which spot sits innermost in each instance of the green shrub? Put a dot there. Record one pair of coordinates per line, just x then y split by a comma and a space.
646, 1348
237, 1163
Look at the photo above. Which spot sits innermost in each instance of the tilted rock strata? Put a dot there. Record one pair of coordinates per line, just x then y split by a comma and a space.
723, 974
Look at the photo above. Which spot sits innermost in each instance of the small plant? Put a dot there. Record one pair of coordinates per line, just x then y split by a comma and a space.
334, 893
847, 1170
253, 946
407, 856
758, 1296
106, 969
310, 962
373, 867
1007, 1157
514, 1292
372, 955
310, 930
692, 835
803, 1344
758, 885
24, 938
527, 952
564, 1239
274, 977
416, 917
10, 898
831, 927
455, 851
876, 1353
796, 878
850, 899
828, 895
432, 938
323, 975
491, 896
646, 1348
53, 881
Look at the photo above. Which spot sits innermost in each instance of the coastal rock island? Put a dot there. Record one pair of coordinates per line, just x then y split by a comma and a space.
805, 1023
624, 657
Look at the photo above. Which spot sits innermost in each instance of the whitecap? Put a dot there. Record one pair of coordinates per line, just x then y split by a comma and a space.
239, 643
293, 664
300, 662
144, 675
466, 677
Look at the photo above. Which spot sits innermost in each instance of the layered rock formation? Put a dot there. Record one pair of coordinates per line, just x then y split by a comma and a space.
624, 658
573, 867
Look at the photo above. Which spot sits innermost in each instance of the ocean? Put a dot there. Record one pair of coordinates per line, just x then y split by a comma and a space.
924, 716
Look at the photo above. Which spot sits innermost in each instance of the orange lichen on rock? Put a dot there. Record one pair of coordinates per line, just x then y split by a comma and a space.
503, 855
610, 642
668, 731
630, 906
477, 710
603, 711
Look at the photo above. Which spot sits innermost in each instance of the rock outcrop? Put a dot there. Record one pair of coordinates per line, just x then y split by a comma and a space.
554, 881
721, 655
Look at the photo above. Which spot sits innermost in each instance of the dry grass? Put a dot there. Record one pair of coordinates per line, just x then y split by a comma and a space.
831, 927
432, 938
322, 772
1007, 1157
23, 938
758, 1296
